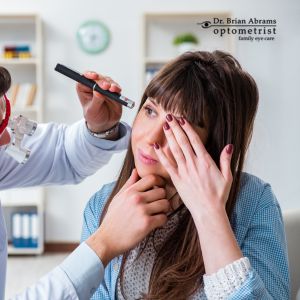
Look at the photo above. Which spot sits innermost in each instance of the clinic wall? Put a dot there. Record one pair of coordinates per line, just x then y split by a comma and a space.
274, 153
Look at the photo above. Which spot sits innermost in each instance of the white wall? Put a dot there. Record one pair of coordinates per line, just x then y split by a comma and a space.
274, 154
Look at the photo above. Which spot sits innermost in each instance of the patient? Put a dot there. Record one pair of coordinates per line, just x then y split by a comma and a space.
223, 234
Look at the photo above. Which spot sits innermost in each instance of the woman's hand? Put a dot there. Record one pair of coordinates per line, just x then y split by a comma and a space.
204, 189
201, 185
134, 212
99, 112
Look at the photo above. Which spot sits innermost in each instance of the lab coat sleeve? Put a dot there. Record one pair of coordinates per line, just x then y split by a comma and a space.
60, 154
72, 280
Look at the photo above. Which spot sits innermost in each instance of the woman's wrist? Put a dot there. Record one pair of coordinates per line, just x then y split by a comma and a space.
218, 244
213, 215
99, 245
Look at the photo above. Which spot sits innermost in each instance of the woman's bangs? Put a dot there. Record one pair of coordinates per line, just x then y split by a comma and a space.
176, 94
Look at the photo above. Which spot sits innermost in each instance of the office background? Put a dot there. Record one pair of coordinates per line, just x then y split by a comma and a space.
275, 65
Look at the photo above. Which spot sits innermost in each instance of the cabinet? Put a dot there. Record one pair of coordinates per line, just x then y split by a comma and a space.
159, 30
19, 32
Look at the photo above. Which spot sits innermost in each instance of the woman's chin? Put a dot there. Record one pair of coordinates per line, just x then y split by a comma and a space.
143, 172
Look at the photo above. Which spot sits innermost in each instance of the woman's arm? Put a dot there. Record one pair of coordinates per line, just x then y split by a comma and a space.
204, 189
205, 194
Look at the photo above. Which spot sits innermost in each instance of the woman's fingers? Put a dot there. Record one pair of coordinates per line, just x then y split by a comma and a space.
164, 160
172, 141
154, 195
194, 139
158, 207
157, 221
131, 180
181, 139
148, 182
225, 162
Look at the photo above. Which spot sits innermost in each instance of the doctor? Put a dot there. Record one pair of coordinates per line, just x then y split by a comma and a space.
60, 155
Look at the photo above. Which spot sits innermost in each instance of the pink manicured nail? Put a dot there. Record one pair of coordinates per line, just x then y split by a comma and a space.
156, 146
229, 149
169, 117
166, 126
181, 121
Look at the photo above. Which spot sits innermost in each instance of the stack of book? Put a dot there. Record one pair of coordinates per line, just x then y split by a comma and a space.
22, 95
22, 51
25, 230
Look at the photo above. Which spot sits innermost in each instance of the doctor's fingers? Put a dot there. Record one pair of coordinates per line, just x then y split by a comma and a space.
105, 82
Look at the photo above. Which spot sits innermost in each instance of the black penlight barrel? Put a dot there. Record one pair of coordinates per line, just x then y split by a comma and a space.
93, 85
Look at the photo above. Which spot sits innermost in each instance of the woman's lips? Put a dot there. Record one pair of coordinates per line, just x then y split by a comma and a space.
146, 159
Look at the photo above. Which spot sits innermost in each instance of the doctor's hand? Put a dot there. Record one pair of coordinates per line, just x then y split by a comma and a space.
99, 112
134, 212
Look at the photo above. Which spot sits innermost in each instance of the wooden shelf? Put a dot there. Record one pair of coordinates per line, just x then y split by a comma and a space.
24, 251
21, 203
19, 61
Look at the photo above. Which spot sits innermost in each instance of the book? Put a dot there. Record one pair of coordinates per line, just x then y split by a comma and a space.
21, 51
34, 230
24, 95
12, 94
16, 230
25, 232
31, 95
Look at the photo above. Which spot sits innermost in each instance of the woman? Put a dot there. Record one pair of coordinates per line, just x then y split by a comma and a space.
223, 237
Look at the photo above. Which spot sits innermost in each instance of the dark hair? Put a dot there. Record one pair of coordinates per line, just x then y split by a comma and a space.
210, 90
5, 81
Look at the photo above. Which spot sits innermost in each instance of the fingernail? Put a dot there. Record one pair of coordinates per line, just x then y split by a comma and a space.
169, 117
229, 149
166, 126
156, 146
181, 121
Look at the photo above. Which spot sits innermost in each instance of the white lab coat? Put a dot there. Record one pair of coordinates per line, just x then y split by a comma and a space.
59, 155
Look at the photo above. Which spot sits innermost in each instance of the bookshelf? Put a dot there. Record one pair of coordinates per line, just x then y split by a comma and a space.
24, 201
159, 30
19, 31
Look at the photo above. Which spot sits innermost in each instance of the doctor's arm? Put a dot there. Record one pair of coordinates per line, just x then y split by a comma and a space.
81, 273
63, 154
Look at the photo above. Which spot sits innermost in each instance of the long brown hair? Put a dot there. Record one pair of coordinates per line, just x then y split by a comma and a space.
210, 90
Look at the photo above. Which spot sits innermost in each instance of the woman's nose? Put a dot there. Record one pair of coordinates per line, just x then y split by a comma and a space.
156, 135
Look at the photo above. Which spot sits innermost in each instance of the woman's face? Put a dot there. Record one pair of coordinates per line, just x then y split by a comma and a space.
148, 129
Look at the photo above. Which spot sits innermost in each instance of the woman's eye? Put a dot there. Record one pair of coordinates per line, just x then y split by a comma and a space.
149, 111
